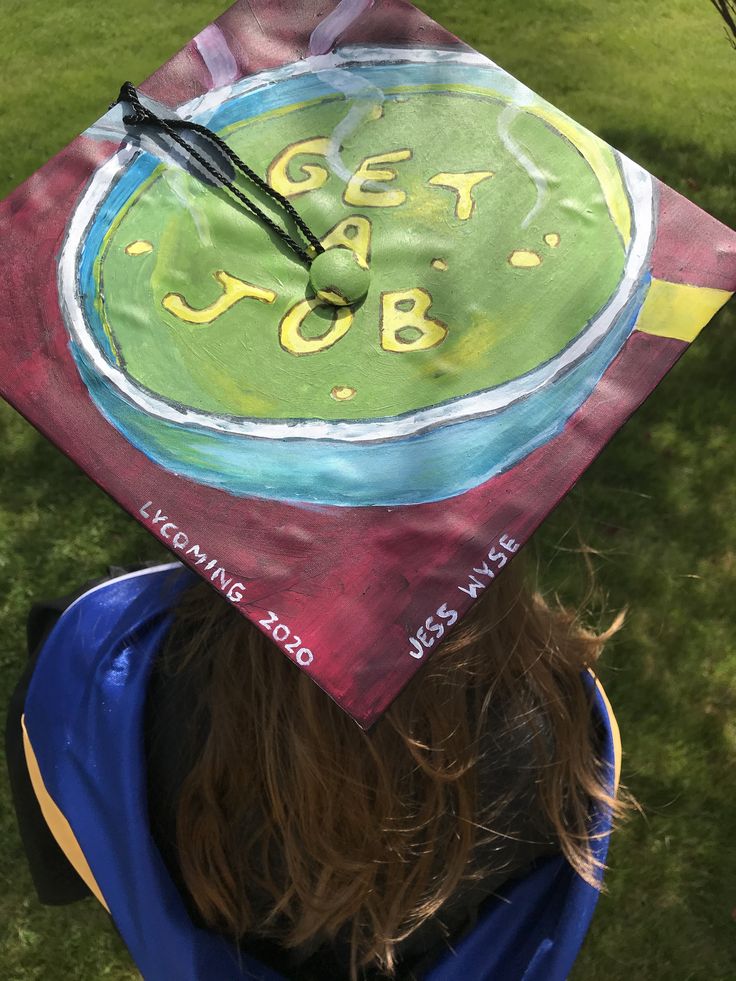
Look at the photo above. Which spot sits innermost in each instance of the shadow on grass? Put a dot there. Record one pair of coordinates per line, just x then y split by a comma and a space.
657, 507
65, 525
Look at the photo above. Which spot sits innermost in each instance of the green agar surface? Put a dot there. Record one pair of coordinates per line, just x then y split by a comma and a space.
513, 283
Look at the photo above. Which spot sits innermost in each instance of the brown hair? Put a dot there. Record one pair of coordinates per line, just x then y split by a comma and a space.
371, 832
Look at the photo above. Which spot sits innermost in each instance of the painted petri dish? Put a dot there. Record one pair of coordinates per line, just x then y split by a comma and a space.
508, 251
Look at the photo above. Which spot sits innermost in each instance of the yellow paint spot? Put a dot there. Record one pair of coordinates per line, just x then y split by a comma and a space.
440, 264
377, 112
524, 259
679, 311
342, 393
138, 248
552, 240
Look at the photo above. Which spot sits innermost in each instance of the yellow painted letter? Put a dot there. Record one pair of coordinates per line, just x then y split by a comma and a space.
293, 340
404, 312
462, 185
352, 233
357, 194
234, 290
315, 175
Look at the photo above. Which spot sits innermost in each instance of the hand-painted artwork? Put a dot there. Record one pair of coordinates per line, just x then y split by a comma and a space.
351, 476
198, 336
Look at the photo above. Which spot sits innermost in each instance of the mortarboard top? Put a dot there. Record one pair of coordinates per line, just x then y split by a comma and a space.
351, 477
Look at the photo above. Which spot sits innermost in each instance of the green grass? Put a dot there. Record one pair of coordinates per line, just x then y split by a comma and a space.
658, 80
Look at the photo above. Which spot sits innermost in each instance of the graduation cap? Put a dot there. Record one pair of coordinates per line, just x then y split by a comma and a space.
339, 310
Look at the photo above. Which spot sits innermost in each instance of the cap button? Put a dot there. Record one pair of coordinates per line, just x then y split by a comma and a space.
338, 278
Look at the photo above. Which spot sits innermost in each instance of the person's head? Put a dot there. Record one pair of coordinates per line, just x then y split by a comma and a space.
372, 831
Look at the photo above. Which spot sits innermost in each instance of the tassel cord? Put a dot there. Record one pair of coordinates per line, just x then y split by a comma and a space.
144, 116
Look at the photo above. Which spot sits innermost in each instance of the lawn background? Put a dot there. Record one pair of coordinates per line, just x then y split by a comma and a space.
654, 517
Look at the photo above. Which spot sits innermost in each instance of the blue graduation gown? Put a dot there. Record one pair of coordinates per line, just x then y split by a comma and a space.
83, 741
